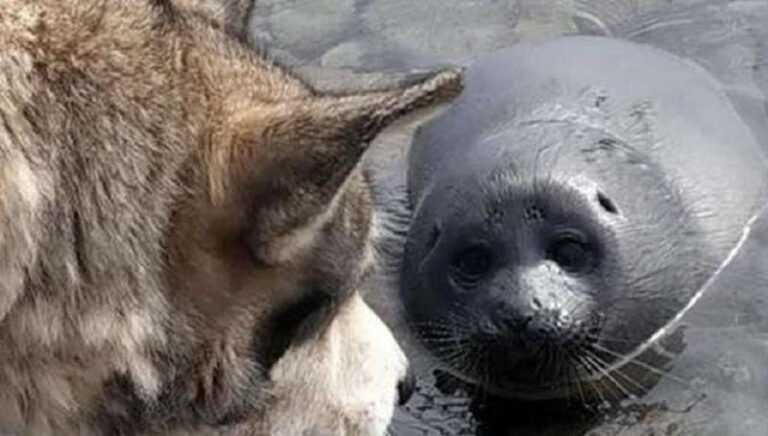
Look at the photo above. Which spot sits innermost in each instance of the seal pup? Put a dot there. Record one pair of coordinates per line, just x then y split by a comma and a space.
183, 230
566, 208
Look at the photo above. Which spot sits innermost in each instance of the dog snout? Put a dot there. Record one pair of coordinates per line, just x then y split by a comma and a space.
406, 387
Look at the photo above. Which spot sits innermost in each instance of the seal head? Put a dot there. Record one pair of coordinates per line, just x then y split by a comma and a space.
567, 207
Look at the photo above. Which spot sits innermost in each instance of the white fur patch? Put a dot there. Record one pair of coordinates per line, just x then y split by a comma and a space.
25, 182
287, 247
21, 198
129, 335
344, 383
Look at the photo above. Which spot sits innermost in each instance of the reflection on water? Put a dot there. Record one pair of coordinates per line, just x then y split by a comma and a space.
433, 413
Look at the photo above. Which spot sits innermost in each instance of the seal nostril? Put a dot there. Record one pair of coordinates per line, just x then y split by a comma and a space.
405, 388
537, 303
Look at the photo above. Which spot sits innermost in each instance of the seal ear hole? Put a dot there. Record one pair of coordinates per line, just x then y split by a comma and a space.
607, 203
599, 100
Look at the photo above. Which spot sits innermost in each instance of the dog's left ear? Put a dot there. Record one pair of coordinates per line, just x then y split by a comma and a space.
288, 160
230, 15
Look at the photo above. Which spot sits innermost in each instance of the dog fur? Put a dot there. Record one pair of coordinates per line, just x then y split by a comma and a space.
184, 229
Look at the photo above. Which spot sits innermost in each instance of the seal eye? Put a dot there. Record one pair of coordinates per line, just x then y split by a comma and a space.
571, 252
471, 265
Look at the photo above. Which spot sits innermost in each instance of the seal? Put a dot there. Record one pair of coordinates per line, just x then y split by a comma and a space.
567, 207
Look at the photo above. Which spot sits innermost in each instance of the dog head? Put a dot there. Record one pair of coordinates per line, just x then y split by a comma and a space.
186, 230
271, 247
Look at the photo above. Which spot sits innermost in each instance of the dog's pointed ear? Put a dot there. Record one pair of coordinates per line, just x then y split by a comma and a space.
230, 15
288, 160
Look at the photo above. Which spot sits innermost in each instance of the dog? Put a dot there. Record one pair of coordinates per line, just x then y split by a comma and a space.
184, 229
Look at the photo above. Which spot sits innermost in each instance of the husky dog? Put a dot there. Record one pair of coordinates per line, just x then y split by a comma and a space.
184, 229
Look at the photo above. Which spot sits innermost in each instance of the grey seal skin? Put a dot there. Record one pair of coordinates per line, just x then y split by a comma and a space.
567, 207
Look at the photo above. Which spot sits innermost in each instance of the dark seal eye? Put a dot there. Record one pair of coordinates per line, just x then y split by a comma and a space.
571, 251
471, 265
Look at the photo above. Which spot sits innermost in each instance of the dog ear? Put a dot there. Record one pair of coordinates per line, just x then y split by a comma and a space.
288, 161
230, 15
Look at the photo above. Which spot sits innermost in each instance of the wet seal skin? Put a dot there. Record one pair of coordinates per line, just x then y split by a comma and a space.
566, 209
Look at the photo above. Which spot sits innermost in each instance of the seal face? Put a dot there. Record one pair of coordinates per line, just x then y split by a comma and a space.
560, 215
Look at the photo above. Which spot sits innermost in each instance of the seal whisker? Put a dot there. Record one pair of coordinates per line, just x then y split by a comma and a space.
537, 159
551, 367
450, 355
626, 377
643, 365
650, 275
561, 369
617, 340
572, 378
596, 386
542, 364
558, 153
444, 327
447, 382
617, 390
567, 369
456, 359
605, 381
445, 341
438, 331
576, 378
600, 365
447, 338
481, 359
440, 339
641, 389
457, 344
573, 304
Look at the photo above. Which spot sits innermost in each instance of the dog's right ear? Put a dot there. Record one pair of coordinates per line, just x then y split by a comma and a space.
287, 161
